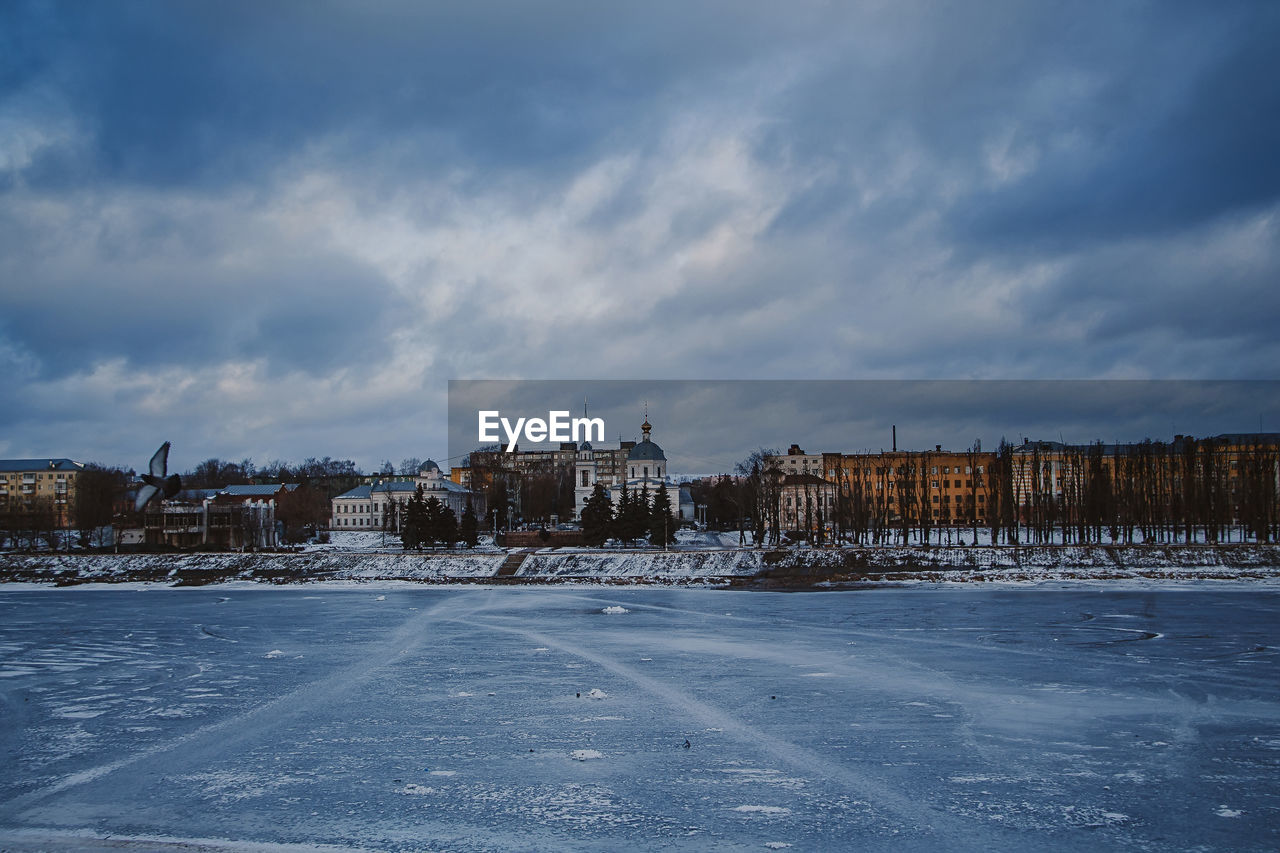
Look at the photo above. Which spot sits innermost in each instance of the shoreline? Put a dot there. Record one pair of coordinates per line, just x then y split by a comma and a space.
846, 568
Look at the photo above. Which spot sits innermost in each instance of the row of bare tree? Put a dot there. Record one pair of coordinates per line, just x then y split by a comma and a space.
1152, 492
1185, 491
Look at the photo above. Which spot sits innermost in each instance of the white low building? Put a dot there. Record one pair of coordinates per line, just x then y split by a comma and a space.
370, 507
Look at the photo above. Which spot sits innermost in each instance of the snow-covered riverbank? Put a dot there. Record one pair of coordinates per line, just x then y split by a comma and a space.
739, 567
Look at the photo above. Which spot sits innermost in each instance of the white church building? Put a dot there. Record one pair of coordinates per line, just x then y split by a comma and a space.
646, 468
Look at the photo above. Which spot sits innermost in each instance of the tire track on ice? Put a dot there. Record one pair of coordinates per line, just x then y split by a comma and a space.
945, 828
250, 725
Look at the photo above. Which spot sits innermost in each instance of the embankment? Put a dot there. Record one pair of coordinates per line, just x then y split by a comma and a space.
746, 568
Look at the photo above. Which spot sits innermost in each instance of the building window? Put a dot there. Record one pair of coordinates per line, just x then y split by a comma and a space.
584, 478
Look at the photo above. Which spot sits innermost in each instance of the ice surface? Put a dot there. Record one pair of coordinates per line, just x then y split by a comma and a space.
456, 718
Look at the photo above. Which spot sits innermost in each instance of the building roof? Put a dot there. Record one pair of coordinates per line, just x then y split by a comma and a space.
443, 485
1043, 446
395, 486
1266, 439
408, 487
195, 495
803, 480
646, 451
358, 492
19, 465
265, 490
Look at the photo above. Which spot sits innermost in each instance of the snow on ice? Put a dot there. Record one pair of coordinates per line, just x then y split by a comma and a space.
998, 718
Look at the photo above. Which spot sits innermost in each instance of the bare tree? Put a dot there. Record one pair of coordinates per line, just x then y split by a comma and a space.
97, 489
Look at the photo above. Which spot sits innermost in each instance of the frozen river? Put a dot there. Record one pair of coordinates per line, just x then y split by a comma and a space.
546, 718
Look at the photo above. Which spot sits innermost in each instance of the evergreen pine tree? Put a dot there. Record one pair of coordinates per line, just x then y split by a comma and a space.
447, 526
662, 525
468, 529
412, 522
432, 529
637, 520
597, 517
621, 513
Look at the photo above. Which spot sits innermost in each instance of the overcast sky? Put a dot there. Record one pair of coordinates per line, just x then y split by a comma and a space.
276, 230
707, 426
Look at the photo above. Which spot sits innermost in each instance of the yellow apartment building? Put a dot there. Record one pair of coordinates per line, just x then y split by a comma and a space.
24, 483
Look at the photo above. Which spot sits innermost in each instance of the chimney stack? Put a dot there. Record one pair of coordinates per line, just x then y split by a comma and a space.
895, 438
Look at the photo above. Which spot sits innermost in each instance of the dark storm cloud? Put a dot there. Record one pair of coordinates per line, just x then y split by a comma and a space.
314, 207
219, 93
1161, 163
1134, 118
160, 291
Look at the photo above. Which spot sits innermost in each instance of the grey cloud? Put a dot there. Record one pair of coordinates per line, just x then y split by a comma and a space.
708, 426
297, 313
996, 189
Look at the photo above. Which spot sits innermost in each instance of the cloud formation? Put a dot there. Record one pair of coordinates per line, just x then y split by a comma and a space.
277, 230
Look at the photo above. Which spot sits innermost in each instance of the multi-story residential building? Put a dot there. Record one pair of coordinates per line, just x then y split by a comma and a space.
940, 487
946, 487
808, 502
26, 482
611, 462
796, 461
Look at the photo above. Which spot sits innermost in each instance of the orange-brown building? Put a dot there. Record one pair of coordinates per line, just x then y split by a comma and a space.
944, 487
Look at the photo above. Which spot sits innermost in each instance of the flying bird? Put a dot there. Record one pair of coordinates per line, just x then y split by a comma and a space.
155, 480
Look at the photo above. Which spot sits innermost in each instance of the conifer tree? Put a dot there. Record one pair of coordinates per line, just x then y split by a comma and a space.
433, 522
411, 527
636, 520
621, 513
596, 517
662, 525
447, 526
468, 529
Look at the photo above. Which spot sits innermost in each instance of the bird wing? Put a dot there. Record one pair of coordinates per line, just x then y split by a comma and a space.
145, 494
159, 464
